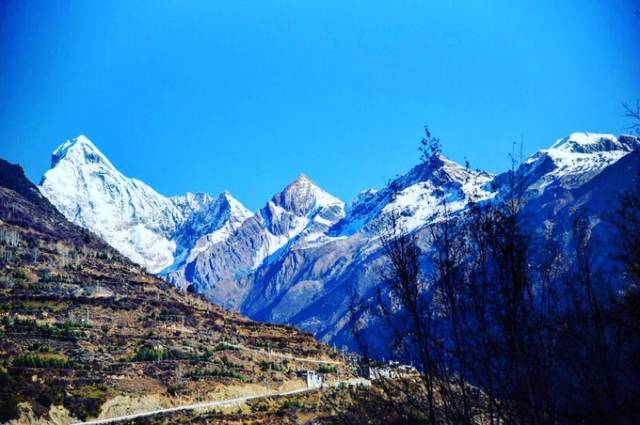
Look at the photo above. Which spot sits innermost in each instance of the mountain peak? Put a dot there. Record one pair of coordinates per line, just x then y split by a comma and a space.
303, 178
129, 215
302, 181
235, 206
225, 194
303, 195
79, 149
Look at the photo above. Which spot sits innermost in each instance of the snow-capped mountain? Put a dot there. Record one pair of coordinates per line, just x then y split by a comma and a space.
301, 257
310, 285
311, 288
142, 224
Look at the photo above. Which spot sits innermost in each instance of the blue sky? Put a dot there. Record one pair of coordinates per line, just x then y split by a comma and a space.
244, 95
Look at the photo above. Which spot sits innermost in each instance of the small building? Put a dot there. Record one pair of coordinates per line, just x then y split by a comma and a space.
373, 370
407, 370
313, 379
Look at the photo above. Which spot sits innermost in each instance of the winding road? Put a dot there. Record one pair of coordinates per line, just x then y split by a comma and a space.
219, 403
237, 400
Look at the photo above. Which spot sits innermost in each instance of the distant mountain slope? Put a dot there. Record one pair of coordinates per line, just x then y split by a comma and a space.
86, 332
417, 195
302, 211
574, 160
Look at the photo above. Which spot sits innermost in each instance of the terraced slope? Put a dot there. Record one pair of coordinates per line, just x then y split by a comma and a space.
86, 333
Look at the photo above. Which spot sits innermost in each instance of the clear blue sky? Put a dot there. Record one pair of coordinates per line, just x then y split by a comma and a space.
244, 95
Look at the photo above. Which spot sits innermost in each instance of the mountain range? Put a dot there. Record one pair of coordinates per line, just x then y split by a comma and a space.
304, 254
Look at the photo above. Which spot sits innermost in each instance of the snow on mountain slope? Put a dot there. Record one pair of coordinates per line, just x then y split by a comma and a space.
190, 202
211, 223
417, 196
301, 211
310, 283
575, 159
132, 217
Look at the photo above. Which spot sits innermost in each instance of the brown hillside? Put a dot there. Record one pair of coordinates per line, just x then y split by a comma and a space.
84, 328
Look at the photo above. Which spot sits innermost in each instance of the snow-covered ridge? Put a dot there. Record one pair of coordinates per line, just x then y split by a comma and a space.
191, 201
419, 196
79, 149
212, 223
573, 160
298, 216
302, 210
588, 143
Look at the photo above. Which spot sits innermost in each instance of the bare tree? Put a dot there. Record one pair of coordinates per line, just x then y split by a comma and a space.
430, 147
633, 113
508, 326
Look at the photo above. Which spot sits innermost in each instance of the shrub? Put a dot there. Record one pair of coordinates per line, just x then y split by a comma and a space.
215, 372
83, 407
327, 369
175, 389
61, 329
264, 366
224, 346
29, 360
150, 355
291, 404
145, 354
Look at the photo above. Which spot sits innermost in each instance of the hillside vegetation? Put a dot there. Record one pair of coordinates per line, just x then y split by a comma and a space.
89, 333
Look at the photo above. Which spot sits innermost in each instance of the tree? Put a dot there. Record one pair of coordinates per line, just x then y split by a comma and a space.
633, 113
507, 324
430, 147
